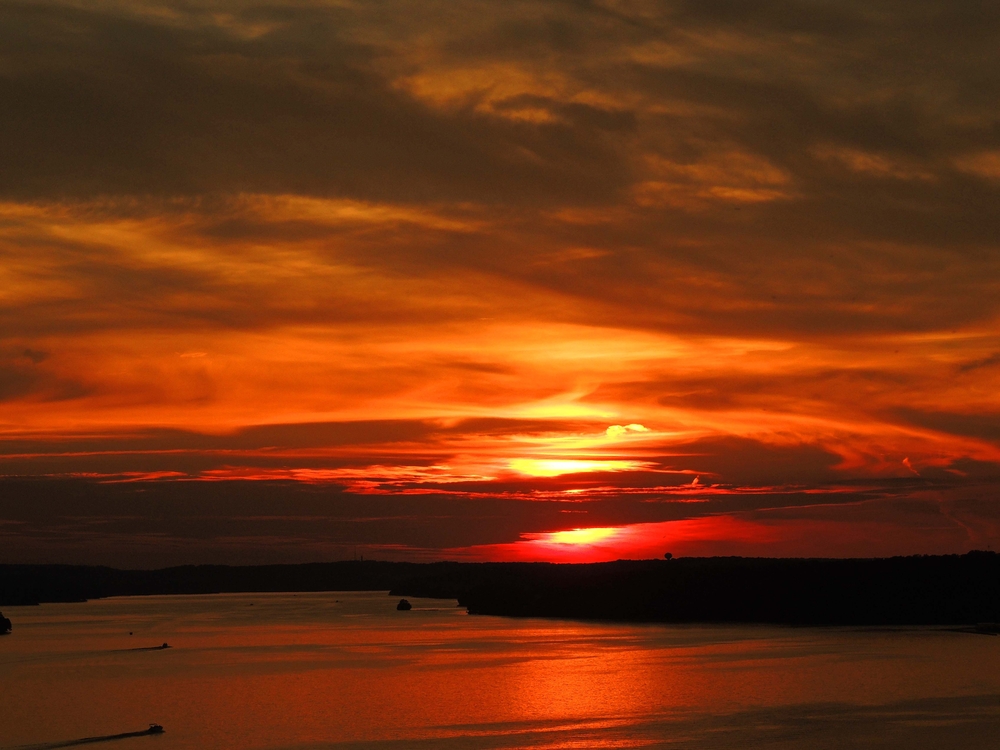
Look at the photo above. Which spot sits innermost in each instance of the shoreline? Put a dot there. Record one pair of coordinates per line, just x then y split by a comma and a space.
945, 590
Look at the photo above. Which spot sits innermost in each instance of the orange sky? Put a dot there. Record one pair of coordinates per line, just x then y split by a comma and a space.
458, 280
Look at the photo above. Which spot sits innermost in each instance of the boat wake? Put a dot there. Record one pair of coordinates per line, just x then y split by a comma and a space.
153, 729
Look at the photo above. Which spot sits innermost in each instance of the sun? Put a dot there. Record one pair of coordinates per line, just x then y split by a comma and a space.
581, 536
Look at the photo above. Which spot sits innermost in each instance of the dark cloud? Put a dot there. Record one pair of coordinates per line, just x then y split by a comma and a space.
15, 382
21, 377
162, 523
186, 451
730, 390
750, 462
979, 425
305, 99
990, 361
788, 153
104, 102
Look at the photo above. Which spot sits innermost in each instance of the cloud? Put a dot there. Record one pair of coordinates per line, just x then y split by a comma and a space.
989, 361
22, 378
986, 426
289, 242
159, 523
106, 100
986, 165
619, 430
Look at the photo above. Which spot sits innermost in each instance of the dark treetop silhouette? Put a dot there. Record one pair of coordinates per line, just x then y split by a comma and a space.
930, 590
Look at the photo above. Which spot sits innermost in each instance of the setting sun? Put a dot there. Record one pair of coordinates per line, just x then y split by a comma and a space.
579, 536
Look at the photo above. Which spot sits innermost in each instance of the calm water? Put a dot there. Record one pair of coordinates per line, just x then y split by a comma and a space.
348, 671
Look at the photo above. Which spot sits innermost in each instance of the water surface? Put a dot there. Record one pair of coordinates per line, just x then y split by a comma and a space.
346, 670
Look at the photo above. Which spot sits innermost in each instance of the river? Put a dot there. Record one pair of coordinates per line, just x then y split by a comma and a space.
346, 670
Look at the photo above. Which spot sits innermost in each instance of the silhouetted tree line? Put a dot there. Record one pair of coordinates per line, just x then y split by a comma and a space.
931, 590
940, 590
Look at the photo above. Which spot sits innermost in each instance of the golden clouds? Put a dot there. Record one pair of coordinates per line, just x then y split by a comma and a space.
729, 177
986, 164
209, 316
875, 165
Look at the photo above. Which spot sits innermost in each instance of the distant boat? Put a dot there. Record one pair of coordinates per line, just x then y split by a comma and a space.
404, 606
154, 729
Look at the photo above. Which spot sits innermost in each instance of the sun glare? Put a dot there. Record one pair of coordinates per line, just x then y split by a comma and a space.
580, 536
554, 467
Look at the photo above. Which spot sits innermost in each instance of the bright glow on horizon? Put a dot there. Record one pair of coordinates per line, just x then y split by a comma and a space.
579, 536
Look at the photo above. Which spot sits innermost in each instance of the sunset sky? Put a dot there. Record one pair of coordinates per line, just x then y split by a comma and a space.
497, 280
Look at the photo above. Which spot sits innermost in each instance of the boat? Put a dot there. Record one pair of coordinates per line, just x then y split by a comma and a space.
154, 729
